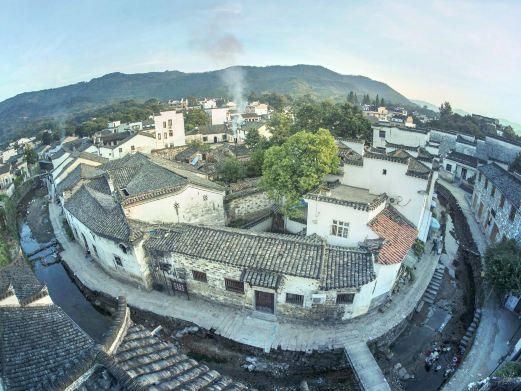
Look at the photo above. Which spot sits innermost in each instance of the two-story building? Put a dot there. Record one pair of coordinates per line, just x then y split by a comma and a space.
496, 202
169, 129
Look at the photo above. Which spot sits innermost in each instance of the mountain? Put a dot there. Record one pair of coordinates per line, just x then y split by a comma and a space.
423, 103
294, 80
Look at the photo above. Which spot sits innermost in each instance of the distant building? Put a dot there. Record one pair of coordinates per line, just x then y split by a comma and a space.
131, 143
219, 116
169, 129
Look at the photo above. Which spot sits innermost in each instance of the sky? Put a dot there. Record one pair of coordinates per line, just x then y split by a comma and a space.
465, 52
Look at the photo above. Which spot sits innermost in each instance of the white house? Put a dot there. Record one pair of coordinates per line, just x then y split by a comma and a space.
140, 142
169, 129
384, 134
219, 116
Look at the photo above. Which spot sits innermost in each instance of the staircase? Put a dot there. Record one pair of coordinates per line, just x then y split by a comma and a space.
434, 286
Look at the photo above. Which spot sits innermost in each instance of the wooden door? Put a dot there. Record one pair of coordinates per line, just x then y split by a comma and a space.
265, 302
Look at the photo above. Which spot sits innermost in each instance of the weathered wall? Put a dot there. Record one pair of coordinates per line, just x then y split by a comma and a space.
243, 205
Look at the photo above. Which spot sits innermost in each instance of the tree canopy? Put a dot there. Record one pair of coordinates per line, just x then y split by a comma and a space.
231, 170
298, 166
503, 266
31, 157
195, 118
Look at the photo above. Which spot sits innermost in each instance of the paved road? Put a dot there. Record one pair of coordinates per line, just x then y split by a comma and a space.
497, 324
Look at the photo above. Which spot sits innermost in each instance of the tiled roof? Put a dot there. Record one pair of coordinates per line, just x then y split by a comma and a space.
20, 276
36, 343
4, 169
210, 129
399, 235
506, 182
418, 169
400, 146
100, 213
153, 364
347, 268
463, 140
301, 256
82, 171
261, 278
144, 177
464, 158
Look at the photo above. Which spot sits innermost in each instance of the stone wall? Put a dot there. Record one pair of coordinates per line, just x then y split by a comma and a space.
246, 203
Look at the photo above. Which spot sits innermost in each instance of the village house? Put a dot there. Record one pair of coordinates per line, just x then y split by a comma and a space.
496, 202
169, 129
112, 147
219, 116
43, 349
256, 108
210, 134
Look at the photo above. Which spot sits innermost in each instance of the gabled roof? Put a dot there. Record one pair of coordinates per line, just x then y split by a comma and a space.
271, 254
464, 159
100, 212
508, 183
398, 234
82, 171
20, 277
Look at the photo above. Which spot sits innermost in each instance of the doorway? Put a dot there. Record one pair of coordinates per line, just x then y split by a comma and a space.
265, 302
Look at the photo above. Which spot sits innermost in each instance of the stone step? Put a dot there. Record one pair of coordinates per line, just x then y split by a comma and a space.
428, 300
465, 338
432, 291
429, 294
435, 284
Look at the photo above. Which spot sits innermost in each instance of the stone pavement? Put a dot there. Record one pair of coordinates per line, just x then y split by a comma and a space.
365, 366
248, 327
497, 324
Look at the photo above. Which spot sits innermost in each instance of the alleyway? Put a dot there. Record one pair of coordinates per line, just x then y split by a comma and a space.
497, 324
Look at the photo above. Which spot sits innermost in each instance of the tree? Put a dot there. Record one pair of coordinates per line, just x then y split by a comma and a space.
298, 166
281, 127
46, 137
515, 166
503, 266
445, 110
31, 157
231, 170
366, 100
254, 165
254, 140
195, 118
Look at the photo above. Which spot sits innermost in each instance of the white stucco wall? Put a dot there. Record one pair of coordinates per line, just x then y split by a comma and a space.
400, 136
133, 269
385, 278
193, 208
169, 135
320, 218
138, 143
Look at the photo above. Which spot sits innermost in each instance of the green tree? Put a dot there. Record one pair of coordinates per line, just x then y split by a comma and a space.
254, 140
445, 110
46, 137
254, 165
30, 156
195, 118
503, 266
231, 170
298, 166
281, 127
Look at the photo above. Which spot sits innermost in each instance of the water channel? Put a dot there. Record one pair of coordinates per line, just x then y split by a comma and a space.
33, 217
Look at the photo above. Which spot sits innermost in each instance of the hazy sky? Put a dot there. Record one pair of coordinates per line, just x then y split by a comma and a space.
467, 52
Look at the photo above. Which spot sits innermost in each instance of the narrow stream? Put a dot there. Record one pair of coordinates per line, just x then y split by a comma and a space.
61, 287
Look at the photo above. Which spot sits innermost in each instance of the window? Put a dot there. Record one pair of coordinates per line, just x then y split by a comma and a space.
234, 285
448, 167
493, 192
123, 248
164, 124
132, 148
384, 171
170, 133
340, 228
486, 183
294, 299
199, 276
512, 216
381, 133
120, 150
225, 137
159, 136
502, 201
205, 138
117, 261
345, 298
169, 123
165, 135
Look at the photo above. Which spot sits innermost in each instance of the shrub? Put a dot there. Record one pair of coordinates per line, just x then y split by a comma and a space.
418, 248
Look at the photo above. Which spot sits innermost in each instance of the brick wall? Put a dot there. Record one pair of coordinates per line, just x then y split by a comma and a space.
246, 204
